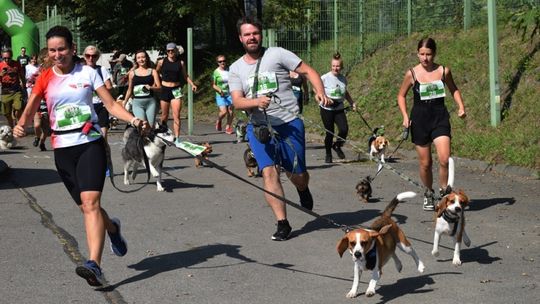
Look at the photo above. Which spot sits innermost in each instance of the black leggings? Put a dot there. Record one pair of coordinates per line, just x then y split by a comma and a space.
329, 118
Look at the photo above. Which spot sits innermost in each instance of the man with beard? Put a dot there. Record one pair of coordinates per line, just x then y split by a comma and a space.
260, 84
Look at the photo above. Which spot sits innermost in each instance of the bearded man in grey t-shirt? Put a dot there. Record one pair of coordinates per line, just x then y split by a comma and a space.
272, 105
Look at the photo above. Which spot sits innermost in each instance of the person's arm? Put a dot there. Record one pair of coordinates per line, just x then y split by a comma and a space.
401, 98
240, 102
27, 117
117, 110
187, 78
157, 82
350, 100
449, 80
315, 80
129, 90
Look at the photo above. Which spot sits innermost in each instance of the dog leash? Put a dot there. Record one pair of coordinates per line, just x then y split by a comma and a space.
357, 149
212, 164
140, 145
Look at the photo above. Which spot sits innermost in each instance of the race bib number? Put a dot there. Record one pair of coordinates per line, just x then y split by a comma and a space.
267, 83
177, 93
432, 90
191, 148
337, 92
70, 117
140, 90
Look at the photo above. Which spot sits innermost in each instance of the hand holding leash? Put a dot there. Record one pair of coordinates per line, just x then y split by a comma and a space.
405, 134
19, 131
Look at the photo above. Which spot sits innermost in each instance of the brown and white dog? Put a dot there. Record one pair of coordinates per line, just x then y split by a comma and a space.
204, 154
372, 248
378, 147
450, 217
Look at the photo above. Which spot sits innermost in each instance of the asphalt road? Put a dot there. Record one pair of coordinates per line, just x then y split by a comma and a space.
207, 239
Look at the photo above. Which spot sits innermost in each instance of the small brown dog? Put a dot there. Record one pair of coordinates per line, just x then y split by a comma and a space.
363, 189
251, 163
204, 154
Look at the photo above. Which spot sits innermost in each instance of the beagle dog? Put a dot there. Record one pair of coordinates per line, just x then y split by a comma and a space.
450, 219
378, 147
372, 248
204, 154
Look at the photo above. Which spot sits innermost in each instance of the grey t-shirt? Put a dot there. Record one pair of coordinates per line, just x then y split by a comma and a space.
335, 88
273, 77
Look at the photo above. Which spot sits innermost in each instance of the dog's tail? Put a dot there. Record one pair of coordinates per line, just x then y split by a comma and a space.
451, 172
395, 201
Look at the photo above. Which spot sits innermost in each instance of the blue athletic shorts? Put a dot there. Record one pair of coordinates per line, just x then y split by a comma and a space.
223, 101
287, 149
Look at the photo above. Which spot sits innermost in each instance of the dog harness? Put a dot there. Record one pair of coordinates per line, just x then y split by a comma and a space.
371, 258
451, 218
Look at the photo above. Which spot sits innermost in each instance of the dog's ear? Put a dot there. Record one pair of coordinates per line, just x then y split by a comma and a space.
465, 198
342, 245
382, 231
439, 208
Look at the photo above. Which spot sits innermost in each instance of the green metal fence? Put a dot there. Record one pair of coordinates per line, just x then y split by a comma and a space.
357, 28
55, 20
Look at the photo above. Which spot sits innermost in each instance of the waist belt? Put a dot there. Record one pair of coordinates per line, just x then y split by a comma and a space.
78, 130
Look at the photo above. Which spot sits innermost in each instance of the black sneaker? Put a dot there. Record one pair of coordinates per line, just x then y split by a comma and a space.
338, 150
35, 143
42, 147
444, 192
118, 243
328, 159
91, 272
283, 231
306, 200
429, 201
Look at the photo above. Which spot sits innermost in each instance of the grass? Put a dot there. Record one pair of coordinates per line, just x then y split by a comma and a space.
374, 84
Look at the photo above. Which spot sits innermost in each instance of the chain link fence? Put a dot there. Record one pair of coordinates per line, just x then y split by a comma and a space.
55, 20
357, 28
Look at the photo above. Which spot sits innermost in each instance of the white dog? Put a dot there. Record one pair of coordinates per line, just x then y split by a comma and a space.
7, 141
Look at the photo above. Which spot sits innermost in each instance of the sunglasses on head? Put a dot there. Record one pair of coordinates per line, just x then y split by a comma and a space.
91, 55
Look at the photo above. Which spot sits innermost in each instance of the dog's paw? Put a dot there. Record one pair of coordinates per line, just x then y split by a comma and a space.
160, 188
352, 294
370, 293
421, 267
456, 261
435, 253
126, 182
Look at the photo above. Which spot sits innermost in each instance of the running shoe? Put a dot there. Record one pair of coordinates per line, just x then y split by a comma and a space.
229, 130
91, 272
42, 147
429, 201
283, 231
35, 143
338, 150
118, 243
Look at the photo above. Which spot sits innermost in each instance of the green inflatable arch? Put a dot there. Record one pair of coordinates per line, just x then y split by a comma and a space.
19, 27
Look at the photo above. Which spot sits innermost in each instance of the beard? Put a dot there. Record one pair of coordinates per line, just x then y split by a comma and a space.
252, 49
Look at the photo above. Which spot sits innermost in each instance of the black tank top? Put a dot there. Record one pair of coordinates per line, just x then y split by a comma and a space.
171, 71
416, 90
138, 80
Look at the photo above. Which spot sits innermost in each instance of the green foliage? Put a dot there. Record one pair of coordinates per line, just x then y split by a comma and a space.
278, 13
526, 21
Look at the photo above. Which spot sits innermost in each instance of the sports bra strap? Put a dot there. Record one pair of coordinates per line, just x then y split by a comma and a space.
442, 73
413, 75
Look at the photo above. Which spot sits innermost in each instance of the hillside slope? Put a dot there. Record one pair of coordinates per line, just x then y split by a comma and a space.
375, 83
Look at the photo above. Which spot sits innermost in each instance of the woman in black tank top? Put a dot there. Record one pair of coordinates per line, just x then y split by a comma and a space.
173, 78
143, 81
429, 121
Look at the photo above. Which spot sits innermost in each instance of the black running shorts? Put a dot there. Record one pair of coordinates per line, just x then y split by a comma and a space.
429, 121
82, 167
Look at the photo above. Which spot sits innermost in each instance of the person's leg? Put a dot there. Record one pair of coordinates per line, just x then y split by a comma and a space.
6, 107
94, 223
164, 112
139, 108
150, 106
222, 113
272, 184
343, 127
442, 145
176, 108
327, 118
37, 129
425, 164
17, 105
